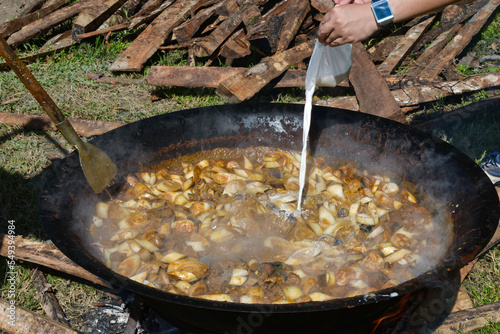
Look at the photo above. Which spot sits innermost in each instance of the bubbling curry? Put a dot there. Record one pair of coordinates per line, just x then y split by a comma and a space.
223, 225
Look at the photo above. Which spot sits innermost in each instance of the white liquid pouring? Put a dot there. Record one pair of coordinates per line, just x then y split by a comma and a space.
327, 67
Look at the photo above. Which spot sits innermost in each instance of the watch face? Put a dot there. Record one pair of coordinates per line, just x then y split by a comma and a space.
383, 12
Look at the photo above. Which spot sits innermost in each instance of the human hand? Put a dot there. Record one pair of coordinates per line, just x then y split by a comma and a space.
349, 23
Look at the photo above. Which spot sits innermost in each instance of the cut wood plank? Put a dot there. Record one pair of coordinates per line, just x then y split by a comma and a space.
210, 77
461, 40
28, 322
86, 128
470, 320
50, 21
373, 95
31, 7
295, 14
91, 18
405, 46
245, 85
48, 256
342, 102
206, 46
16, 24
146, 44
379, 52
186, 30
431, 51
47, 297
451, 16
413, 95
237, 46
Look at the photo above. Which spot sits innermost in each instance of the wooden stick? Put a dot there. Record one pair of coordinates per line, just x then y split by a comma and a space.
28, 322
461, 40
48, 256
241, 87
146, 44
404, 47
50, 21
86, 128
48, 299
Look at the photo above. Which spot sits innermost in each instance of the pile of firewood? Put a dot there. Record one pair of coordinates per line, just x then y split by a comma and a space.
278, 35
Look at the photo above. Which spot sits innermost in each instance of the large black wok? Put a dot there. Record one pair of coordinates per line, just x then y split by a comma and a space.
459, 187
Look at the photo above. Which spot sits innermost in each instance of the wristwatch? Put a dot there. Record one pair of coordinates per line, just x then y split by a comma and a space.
383, 12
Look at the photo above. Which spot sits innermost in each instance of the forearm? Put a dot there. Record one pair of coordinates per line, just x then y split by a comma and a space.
407, 9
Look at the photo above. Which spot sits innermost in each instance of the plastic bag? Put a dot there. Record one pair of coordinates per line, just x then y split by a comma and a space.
328, 65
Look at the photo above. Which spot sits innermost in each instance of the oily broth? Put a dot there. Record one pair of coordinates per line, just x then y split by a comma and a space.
222, 225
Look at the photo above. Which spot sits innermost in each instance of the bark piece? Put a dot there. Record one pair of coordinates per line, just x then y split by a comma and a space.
146, 44
16, 24
48, 299
91, 18
294, 16
28, 322
405, 46
461, 40
373, 95
380, 51
245, 85
83, 127
50, 21
48, 256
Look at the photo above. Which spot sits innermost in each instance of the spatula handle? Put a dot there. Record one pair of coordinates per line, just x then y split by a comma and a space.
30, 82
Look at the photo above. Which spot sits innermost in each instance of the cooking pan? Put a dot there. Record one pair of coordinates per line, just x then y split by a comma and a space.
460, 190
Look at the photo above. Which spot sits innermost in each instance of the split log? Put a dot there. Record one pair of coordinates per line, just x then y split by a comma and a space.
28, 322
256, 27
86, 128
50, 21
146, 44
210, 77
451, 16
243, 86
404, 47
16, 24
295, 14
412, 95
380, 51
432, 51
48, 256
461, 40
373, 95
186, 30
470, 320
206, 46
238, 46
31, 7
48, 299
146, 16
91, 18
